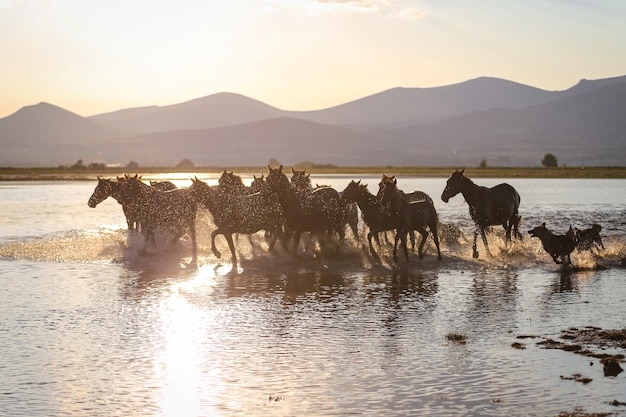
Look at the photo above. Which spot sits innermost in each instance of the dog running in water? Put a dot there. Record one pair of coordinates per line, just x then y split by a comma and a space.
557, 246
586, 239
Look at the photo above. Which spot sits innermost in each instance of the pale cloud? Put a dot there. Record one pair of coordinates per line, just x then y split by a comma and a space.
388, 8
412, 13
348, 6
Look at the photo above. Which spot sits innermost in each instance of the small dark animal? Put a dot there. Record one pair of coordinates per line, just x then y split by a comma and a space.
588, 239
557, 246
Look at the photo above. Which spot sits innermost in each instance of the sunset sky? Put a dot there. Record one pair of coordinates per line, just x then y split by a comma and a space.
93, 56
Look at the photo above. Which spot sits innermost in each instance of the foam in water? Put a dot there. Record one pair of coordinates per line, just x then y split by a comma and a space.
115, 244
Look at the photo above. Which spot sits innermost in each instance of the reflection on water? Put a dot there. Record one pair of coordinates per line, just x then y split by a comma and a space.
296, 340
91, 328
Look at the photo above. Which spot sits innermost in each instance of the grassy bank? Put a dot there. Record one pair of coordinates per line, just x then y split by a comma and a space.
66, 174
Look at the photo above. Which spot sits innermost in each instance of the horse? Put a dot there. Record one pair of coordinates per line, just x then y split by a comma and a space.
410, 215
176, 209
108, 188
376, 217
321, 211
232, 183
303, 187
258, 184
163, 185
487, 206
241, 213
412, 196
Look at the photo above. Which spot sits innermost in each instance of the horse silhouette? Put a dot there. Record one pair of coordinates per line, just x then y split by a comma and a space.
108, 188
376, 217
174, 209
410, 215
320, 212
487, 206
239, 213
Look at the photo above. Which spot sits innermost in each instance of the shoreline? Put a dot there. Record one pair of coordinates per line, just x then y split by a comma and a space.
69, 174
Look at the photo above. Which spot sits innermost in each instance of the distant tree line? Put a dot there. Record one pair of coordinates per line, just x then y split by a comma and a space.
96, 165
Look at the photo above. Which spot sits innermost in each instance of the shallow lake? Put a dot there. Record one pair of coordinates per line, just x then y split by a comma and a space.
92, 328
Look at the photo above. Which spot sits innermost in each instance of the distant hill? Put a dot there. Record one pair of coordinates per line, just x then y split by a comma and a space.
503, 122
223, 109
405, 106
43, 133
587, 127
286, 139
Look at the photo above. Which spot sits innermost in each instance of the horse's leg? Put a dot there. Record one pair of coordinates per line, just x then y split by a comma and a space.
484, 236
516, 224
231, 245
216, 252
424, 234
296, 241
354, 226
147, 238
474, 250
433, 229
508, 227
194, 246
395, 246
412, 236
404, 245
371, 235
272, 241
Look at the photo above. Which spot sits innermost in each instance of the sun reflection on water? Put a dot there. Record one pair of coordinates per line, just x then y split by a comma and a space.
180, 365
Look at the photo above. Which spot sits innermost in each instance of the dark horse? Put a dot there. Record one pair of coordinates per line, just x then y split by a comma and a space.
108, 188
239, 213
171, 209
303, 187
321, 212
487, 206
376, 217
412, 196
408, 216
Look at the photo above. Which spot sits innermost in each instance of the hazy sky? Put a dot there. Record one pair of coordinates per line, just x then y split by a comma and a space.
93, 56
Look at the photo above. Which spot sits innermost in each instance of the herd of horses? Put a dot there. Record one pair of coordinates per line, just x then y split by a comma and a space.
285, 208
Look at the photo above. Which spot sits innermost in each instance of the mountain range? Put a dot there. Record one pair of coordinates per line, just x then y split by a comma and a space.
499, 121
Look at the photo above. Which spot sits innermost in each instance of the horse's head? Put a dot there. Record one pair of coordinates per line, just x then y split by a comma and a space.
454, 185
351, 193
200, 190
383, 180
276, 179
301, 180
130, 189
258, 184
105, 188
388, 190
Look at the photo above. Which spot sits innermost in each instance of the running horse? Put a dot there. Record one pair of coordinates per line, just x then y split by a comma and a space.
175, 209
487, 206
108, 188
408, 216
376, 217
322, 212
239, 213
304, 189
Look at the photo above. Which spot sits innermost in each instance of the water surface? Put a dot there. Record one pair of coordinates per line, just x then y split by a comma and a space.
92, 328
